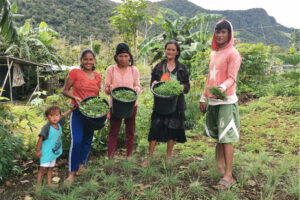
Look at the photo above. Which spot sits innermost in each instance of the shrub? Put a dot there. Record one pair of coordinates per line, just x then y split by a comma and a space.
11, 146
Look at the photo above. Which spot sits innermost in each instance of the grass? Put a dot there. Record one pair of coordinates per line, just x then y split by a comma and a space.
265, 164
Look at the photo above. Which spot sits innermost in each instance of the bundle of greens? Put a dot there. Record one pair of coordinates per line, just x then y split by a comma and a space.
169, 88
217, 92
94, 107
124, 95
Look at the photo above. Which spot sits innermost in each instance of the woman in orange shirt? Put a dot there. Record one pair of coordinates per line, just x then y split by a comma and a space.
84, 82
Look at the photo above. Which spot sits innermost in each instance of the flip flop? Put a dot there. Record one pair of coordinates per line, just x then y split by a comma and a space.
223, 184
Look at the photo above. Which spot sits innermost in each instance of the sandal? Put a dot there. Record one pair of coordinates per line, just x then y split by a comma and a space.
223, 184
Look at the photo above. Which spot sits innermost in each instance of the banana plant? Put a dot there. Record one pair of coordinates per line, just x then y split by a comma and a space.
7, 14
35, 44
181, 29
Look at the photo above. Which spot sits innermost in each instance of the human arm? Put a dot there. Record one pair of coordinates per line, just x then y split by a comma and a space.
108, 80
184, 80
67, 90
154, 76
38, 147
136, 82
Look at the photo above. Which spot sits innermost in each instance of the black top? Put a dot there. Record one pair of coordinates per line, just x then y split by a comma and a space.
182, 77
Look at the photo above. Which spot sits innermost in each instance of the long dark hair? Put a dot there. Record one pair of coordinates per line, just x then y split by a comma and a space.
177, 47
83, 53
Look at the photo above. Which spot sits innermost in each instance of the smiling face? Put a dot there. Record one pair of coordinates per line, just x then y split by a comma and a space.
123, 59
88, 61
54, 116
171, 51
222, 37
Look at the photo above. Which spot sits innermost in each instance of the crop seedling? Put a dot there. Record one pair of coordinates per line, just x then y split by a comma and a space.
169, 88
124, 95
94, 107
217, 92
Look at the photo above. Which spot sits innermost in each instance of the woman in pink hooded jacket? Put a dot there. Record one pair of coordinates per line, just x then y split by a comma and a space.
222, 120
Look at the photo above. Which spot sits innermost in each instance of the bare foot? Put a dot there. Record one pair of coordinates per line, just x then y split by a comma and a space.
70, 178
145, 164
80, 170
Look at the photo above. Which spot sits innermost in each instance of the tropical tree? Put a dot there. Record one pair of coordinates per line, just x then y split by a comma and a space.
293, 57
181, 29
8, 13
128, 17
35, 44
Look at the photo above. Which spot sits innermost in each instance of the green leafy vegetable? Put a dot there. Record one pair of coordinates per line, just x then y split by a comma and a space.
169, 88
217, 92
124, 95
94, 107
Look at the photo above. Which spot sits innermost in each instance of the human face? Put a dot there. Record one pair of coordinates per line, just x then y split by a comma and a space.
123, 59
171, 52
54, 117
222, 37
88, 61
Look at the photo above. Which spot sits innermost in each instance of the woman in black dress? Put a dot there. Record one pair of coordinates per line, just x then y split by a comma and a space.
169, 128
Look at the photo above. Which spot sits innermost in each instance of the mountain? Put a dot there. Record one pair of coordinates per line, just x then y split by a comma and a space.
77, 20
254, 25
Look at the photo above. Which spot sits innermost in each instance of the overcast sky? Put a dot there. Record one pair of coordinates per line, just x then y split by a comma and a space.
286, 12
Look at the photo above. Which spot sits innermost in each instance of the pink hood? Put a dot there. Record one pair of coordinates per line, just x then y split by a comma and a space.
214, 45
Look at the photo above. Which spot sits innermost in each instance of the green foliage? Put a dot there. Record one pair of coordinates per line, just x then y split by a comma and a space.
11, 145
94, 107
124, 95
181, 29
169, 88
128, 18
286, 84
76, 20
293, 59
35, 44
217, 92
254, 62
7, 25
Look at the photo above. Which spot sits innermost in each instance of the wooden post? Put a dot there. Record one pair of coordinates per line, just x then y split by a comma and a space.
7, 75
38, 77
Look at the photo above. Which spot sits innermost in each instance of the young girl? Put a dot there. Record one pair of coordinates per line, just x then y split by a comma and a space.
49, 145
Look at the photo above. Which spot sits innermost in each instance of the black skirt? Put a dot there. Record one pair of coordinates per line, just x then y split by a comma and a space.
167, 127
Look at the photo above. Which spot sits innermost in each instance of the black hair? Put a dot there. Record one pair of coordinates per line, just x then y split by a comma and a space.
177, 47
51, 109
123, 48
223, 25
84, 52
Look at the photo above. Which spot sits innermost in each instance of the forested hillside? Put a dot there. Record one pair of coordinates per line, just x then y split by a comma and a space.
77, 20
254, 25
74, 19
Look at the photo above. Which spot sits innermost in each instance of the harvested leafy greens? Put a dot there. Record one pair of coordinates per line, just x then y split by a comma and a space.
94, 107
217, 92
124, 95
169, 88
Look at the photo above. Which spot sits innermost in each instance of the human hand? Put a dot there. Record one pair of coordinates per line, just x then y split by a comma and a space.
72, 107
78, 100
203, 107
38, 154
154, 82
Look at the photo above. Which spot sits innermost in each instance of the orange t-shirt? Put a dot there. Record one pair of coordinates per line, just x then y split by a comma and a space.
82, 86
